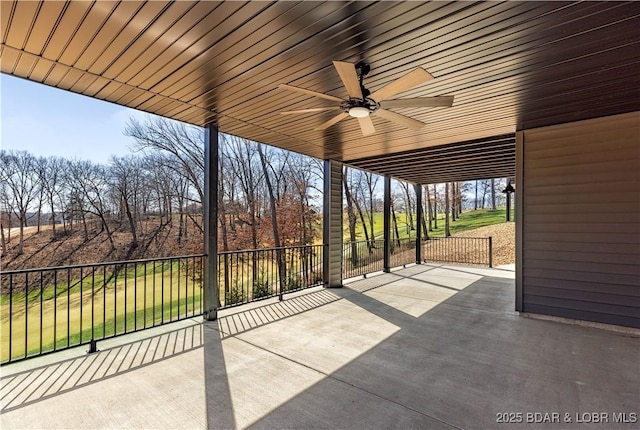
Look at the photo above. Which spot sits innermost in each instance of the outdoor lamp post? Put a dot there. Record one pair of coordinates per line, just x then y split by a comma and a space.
508, 192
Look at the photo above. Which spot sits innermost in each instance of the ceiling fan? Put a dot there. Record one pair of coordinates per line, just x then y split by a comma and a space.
362, 103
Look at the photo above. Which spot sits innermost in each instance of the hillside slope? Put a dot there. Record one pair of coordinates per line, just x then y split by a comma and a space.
154, 240
160, 240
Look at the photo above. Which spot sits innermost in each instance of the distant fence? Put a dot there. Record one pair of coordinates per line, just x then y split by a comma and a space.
362, 257
461, 250
50, 309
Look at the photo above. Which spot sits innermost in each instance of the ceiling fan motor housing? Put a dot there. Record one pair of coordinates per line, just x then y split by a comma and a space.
369, 104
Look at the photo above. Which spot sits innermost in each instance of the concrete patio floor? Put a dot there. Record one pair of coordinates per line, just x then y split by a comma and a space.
425, 347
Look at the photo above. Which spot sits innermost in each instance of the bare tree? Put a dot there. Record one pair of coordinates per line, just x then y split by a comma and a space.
5, 217
126, 174
408, 205
351, 215
52, 183
435, 206
454, 211
184, 143
360, 200
302, 172
372, 181
429, 207
485, 186
242, 160
447, 231
274, 217
6, 210
3, 242
394, 218
90, 180
18, 171
40, 166
475, 200
493, 194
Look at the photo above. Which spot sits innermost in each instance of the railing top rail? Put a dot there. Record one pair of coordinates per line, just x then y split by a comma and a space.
107, 263
364, 241
454, 237
146, 260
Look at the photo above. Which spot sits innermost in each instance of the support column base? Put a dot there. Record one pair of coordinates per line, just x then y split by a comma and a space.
211, 315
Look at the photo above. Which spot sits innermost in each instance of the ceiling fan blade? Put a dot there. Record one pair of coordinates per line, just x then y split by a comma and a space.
366, 125
349, 77
332, 121
319, 109
408, 81
309, 92
440, 101
400, 119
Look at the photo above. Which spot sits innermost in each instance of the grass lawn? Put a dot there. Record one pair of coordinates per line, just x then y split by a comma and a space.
468, 220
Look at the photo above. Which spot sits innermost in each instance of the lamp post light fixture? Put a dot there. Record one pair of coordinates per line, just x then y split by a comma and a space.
508, 190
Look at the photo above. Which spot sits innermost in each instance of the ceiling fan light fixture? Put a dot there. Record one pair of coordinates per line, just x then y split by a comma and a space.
359, 112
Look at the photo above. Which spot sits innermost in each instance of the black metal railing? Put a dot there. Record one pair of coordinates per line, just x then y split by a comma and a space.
362, 257
48, 309
249, 275
462, 250
403, 251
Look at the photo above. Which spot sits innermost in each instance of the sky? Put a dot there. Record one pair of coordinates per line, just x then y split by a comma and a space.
47, 121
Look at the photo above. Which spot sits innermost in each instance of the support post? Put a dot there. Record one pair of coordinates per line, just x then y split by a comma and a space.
210, 275
332, 225
519, 218
490, 251
386, 216
419, 216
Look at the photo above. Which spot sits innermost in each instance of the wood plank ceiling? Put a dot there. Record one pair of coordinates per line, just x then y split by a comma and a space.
510, 66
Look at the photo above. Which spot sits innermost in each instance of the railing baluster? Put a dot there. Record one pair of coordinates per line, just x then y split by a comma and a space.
68, 306
81, 282
26, 314
144, 296
193, 284
41, 305
10, 316
162, 294
55, 309
178, 289
126, 269
104, 301
115, 300
135, 297
93, 302
153, 286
